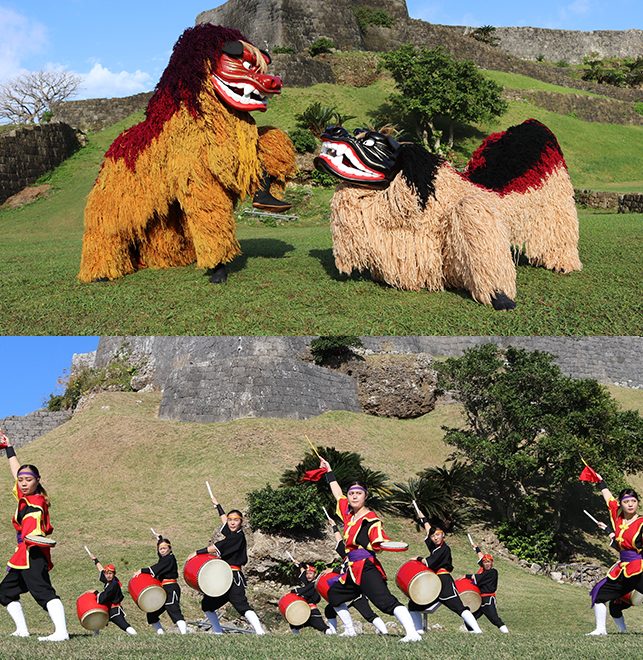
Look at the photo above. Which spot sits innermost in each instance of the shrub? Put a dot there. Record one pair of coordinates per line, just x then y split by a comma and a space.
321, 45
486, 34
536, 546
303, 140
367, 16
323, 179
315, 118
279, 50
562, 64
292, 511
334, 348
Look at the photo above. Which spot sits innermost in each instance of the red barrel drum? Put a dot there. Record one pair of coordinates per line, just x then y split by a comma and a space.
208, 574
91, 614
418, 582
294, 609
322, 586
146, 591
469, 593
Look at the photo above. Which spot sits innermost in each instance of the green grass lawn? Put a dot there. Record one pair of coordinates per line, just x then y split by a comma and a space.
286, 281
519, 81
115, 469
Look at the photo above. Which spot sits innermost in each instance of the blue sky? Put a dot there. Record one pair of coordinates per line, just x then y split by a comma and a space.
121, 48
31, 367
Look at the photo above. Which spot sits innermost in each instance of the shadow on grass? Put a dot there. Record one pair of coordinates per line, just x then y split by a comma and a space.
326, 259
269, 248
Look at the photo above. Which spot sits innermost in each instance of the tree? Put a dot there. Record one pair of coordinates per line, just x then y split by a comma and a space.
27, 98
433, 86
527, 427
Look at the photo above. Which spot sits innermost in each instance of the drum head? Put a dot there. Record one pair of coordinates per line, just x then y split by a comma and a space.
152, 598
637, 598
215, 578
43, 541
94, 620
394, 546
471, 599
297, 613
424, 588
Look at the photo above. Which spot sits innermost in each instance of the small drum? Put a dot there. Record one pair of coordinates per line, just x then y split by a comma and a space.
91, 614
294, 609
634, 598
147, 592
418, 582
41, 541
208, 574
469, 594
394, 546
322, 586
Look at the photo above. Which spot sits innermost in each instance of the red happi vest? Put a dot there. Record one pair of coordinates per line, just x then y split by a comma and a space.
627, 535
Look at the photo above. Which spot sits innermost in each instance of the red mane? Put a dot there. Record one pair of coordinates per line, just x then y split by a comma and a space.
180, 84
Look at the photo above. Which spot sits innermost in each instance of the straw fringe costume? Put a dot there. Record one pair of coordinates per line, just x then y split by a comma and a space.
166, 191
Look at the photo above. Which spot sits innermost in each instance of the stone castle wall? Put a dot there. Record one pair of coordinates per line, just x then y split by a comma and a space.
26, 153
24, 429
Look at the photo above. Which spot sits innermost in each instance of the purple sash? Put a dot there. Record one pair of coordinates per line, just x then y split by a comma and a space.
360, 553
629, 555
595, 589
18, 538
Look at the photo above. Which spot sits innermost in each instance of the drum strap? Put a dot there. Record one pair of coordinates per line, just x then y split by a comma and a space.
168, 582
493, 594
442, 571
235, 568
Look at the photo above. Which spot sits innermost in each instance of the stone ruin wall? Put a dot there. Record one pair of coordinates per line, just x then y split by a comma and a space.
25, 428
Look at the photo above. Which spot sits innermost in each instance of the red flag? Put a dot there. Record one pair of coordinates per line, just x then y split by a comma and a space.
313, 475
4, 441
589, 475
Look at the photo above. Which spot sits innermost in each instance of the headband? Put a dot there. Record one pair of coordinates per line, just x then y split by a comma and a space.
357, 487
110, 567
234, 516
628, 496
28, 472
487, 557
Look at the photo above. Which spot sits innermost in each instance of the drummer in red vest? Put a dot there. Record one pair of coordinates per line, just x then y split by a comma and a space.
440, 562
307, 591
28, 569
364, 537
361, 604
112, 596
167, 571
486, 579
232, 549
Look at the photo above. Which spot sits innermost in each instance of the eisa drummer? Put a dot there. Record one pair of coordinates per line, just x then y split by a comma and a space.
307, 590
439, 561
232, 548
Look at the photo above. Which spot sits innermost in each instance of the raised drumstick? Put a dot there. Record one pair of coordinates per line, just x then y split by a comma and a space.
591, 517
88, 551
327, 516
417, 510
154, 533
207, 485
470, 539
313, 447
292, 559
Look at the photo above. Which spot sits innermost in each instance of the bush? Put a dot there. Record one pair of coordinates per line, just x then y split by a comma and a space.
321, 45
486, 34
536, 547
334, 348
283, 50
303, 140
292, 511
323, 179
366, 16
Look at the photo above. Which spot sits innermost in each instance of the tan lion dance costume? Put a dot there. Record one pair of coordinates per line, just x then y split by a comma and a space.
414, 222
168, 186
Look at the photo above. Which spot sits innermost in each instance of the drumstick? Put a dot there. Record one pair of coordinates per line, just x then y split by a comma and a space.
207, 485
313, 447
292, 559
470, 539
417, 510
327, 516
591, 517
88, 551
154, 533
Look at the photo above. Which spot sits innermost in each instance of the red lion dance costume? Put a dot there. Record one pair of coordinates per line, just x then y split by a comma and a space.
168, 186
415, 222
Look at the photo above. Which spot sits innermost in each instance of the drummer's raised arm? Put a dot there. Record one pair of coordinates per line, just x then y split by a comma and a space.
220, 509
605, 491
335, 488
423, 521
14, 463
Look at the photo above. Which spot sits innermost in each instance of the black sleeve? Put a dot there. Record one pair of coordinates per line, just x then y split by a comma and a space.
440, 557
340, 549
163, 567
487, 580
102, 577
108, 593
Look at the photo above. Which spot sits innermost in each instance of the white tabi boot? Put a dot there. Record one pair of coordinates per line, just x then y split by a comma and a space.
471, 622
14, 608
503, 629
57, 615
182, 626
345, 617
404, 617
253, 620
215, 624
130, 631
380, 626
600, 612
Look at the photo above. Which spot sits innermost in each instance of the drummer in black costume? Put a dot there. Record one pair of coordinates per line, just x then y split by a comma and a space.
361, 604
112, 596
167, 571
440, 562
232, 549
486, 579
307, 591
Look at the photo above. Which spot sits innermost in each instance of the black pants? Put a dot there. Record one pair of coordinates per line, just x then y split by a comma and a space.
117, 617
448, 597
172, 605
236, 596
34, 580
316, 621
614, 589
361, 604
373, 586
488, 609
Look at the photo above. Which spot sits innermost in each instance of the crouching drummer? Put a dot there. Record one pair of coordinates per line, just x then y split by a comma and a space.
307, 591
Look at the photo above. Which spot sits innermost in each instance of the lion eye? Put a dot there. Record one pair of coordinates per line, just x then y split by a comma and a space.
247, 65
369, 142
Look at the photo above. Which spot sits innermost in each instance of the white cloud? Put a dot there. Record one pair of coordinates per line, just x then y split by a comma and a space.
19, 38
100, 82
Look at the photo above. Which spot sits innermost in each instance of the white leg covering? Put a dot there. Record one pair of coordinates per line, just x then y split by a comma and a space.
130, 631
332, 624
215, 624
253, 620
600, 612
417, 622
404, 617
14, 608
380, 626
57, 615
294, 631
182, 626
345, 617
620, 624
503, 629
470, 620
158, 627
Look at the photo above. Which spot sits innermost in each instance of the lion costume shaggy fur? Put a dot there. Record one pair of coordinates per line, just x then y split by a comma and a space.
168, 186
433, 227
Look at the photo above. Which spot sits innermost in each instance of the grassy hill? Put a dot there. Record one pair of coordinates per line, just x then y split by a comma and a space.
115, 469
286, 281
